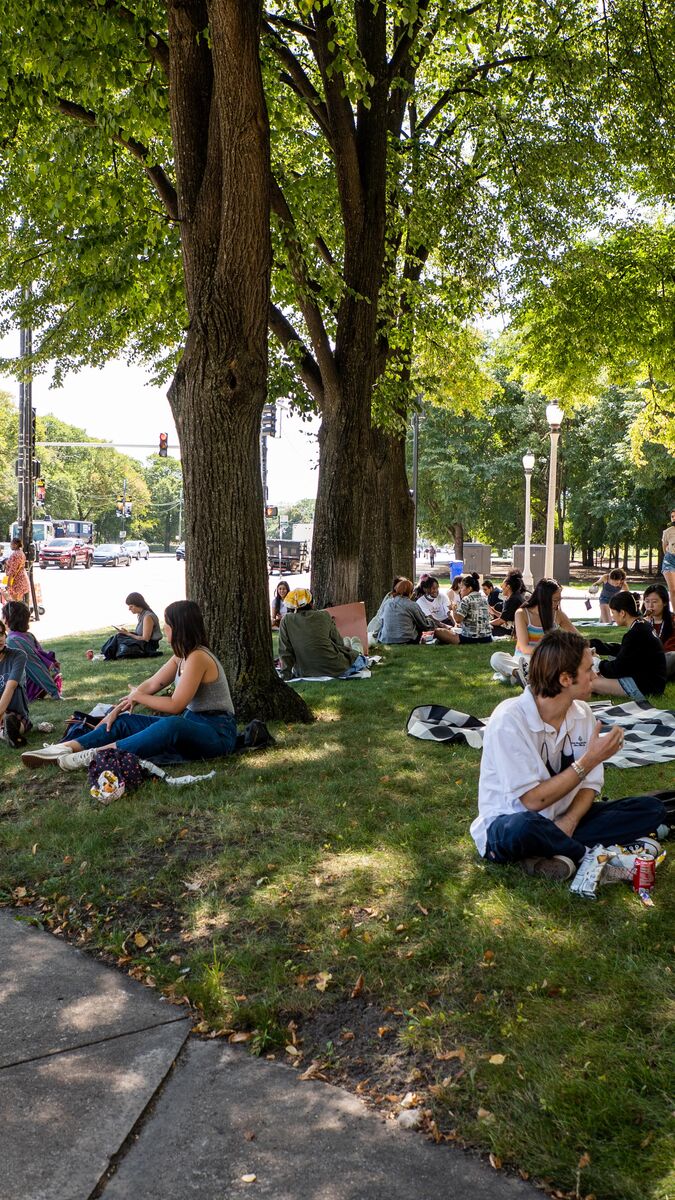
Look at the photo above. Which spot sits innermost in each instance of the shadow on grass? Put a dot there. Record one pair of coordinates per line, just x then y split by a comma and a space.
345, 853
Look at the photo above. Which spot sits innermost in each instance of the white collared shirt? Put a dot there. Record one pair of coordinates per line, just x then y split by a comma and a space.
518, 744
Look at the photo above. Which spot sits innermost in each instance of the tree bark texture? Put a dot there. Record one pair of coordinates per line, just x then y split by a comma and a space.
221, 146
388, 515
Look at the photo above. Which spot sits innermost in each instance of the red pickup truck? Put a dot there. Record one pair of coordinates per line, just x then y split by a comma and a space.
65, 552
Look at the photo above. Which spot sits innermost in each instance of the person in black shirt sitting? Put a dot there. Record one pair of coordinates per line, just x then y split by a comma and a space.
638, 664
514, 593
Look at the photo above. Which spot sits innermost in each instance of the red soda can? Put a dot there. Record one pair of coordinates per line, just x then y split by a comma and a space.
644, 874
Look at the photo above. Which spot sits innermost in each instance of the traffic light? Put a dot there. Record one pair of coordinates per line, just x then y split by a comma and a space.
269, 420
127, 508
163, 445
40, 491
119, 506
271, 510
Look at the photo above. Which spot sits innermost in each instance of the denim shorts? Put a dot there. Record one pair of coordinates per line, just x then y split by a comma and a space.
631, 688
668, 563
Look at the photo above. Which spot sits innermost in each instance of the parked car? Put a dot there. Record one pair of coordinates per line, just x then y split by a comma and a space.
65, 552
180, 552
137, 549
111, 554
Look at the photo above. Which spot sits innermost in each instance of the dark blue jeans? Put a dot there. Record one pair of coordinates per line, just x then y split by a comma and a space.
530, 835
192, 735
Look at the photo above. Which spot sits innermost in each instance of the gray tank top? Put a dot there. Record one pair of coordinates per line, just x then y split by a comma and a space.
211, 697
156, 635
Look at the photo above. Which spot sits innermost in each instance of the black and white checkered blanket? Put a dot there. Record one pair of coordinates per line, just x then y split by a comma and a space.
649, 732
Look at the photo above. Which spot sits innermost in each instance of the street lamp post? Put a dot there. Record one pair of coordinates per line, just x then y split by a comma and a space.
528, 466
554, 416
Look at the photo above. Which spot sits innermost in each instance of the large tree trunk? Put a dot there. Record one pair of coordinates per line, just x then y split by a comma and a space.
388, 514
221, 143
458, 536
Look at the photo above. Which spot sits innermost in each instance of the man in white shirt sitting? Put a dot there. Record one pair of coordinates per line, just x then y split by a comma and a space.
541, 770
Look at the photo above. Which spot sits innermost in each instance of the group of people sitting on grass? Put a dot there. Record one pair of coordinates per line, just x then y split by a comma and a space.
538, 807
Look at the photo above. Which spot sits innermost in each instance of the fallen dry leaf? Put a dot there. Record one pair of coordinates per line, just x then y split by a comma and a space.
495, 1162
346, 1036
240, 1036
584, 1160
292, 1050
344, 932
313, 1071
383, 1030
423, 910
497, 1059
249, 1178
140, 940
182, 832
357, 988
447, 1055
322, 980
484, 1114
362, 1086
646, 1140
488, 955
34, 848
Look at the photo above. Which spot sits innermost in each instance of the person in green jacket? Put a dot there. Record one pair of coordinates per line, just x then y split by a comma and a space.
309, 642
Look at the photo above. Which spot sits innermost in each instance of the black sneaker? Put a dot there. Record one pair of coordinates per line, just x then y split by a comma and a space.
14, 730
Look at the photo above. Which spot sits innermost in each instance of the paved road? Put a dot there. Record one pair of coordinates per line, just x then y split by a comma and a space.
94, 599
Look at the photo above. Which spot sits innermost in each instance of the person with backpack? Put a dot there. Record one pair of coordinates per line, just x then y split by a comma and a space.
196, 722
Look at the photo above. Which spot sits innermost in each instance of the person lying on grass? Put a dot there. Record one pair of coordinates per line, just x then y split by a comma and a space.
541, 771
14, 716
197, 721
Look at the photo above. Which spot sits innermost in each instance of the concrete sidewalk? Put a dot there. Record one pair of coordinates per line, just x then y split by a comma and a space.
95, 1070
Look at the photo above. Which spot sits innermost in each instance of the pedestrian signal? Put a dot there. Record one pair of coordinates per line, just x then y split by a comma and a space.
271, 510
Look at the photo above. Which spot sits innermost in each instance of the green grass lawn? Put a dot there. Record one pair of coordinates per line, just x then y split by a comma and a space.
341, 862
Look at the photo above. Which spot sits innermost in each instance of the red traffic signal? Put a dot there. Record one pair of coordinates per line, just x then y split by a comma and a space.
163, 445
271, 510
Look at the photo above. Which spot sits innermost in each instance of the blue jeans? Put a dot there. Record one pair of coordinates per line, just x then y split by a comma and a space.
530, 835
189, 736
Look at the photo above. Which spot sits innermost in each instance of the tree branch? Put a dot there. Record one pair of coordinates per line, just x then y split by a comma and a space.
297, 351
305, 31
304, 287
475, 73
157, 47
158, 178
298, 79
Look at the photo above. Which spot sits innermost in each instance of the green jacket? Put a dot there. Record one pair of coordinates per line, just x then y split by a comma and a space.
309, 644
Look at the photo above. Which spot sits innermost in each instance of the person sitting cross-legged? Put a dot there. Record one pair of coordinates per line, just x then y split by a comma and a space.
541, 771
309, 641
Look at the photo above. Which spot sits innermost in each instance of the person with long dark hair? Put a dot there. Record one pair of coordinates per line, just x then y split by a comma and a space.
196, 722
533, 619
656, 608
637, 666
279, 608
515, 595
143, 641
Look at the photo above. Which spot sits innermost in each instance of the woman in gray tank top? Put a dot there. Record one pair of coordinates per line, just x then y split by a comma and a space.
197, 721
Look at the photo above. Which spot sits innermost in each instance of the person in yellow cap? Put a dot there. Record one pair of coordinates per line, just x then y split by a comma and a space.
309, 642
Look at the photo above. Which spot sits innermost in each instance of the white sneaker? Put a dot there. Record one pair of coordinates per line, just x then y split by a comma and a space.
98, 658
79, 758
40, 758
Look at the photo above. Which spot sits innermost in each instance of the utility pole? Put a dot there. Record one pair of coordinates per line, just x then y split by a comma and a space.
263, 464
25, 467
